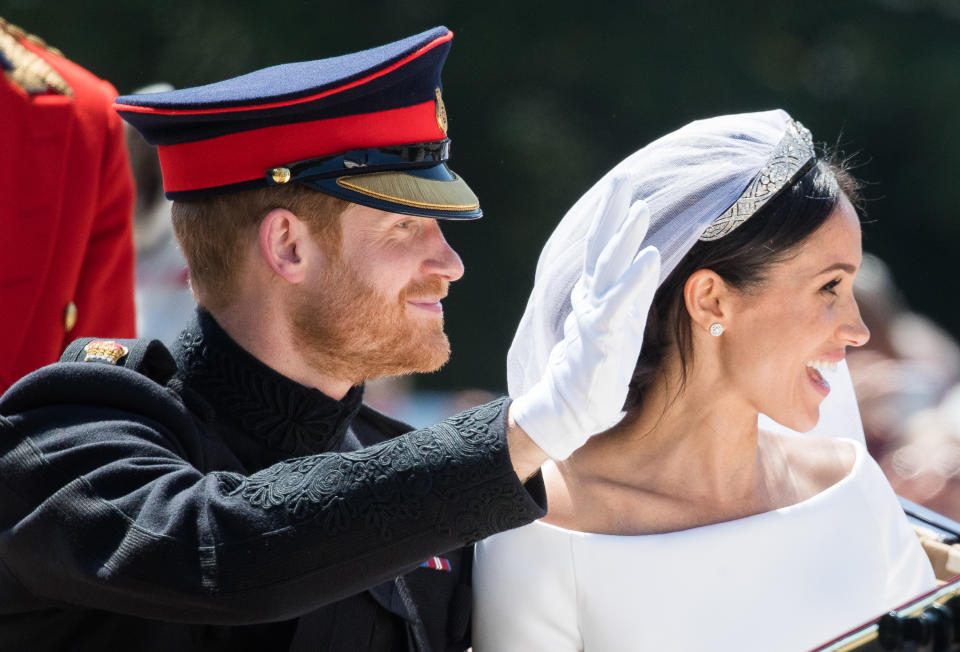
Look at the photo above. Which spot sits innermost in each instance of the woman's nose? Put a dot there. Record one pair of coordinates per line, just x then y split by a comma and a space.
854, 332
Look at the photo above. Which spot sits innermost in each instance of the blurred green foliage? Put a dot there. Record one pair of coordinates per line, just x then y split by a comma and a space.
543, 98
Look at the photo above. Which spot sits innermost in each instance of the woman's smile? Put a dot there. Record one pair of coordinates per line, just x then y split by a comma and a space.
820, 384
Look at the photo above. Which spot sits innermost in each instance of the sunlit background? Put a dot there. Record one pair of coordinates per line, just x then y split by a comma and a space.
543, 98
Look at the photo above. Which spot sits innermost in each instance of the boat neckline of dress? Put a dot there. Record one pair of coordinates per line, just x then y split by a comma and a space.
860, 454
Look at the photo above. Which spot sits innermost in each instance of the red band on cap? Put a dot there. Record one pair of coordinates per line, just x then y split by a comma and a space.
246, 156
379, 73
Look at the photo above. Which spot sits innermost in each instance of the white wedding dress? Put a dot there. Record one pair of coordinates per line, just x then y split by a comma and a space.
789, 579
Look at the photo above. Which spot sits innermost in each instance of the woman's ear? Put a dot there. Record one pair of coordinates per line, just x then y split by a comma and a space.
705, 295
284, 244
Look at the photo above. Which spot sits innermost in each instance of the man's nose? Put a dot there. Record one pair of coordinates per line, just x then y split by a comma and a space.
442, 259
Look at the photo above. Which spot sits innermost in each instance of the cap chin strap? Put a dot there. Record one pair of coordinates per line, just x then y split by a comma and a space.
363, 161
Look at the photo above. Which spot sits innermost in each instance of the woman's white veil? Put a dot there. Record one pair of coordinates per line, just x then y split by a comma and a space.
688, 178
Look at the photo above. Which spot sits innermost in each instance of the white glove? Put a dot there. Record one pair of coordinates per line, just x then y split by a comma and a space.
585, 383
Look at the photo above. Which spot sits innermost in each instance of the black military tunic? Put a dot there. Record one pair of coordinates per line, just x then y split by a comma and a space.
229, 508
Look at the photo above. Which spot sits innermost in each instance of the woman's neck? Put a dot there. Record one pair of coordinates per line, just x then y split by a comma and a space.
702, 425
684, 457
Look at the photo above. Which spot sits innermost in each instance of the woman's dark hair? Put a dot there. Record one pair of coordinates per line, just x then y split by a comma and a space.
742, 260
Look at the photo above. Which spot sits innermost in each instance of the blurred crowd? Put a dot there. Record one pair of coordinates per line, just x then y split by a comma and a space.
907, 381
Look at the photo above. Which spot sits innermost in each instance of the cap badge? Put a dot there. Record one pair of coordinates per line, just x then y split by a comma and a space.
441, 112
104, 351
280, 175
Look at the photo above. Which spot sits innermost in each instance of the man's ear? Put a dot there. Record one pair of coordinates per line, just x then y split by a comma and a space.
285, 244
706, 297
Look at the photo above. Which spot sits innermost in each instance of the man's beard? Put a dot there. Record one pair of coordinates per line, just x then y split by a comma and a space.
347, 330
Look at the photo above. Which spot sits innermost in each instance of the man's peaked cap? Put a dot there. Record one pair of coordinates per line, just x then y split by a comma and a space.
369, 127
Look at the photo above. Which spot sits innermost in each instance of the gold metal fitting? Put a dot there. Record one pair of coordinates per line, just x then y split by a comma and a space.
104, 351
280, 175
441, 112
69, 317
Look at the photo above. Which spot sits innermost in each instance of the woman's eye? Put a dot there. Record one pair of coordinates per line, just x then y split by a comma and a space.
831, 286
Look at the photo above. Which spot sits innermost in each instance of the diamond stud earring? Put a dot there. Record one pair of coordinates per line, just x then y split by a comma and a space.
716, 329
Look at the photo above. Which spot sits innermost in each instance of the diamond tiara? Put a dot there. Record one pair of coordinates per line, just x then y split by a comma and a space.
793, 156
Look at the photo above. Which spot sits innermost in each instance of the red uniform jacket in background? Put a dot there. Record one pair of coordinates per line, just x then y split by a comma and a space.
66, 200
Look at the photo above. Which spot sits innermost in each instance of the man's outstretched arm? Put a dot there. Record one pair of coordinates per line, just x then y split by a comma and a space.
103, 503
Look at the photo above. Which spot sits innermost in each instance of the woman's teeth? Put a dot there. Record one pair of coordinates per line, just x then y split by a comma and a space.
823, 365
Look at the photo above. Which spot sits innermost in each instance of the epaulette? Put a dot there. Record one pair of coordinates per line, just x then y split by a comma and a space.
23, 67
148, 357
